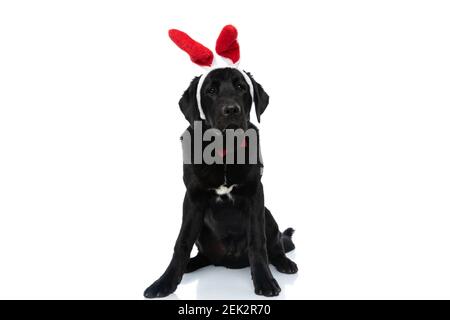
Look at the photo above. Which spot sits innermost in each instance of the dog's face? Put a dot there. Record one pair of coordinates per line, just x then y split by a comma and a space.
226, 99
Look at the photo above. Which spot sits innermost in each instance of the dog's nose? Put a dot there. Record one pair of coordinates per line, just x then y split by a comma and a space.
231, 109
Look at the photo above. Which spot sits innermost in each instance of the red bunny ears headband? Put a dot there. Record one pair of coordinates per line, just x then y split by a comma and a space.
227, 47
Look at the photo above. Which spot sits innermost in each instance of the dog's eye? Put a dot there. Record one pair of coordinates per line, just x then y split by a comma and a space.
212, 90
240, 87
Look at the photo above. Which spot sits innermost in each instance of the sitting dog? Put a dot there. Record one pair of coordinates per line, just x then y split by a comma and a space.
223, 211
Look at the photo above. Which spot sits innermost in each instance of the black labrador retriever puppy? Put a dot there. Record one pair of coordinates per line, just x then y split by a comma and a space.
232, 229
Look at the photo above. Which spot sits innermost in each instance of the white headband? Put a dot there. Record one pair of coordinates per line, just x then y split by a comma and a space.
202, 79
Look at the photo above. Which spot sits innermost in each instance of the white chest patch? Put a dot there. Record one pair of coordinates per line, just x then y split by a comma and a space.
223, 190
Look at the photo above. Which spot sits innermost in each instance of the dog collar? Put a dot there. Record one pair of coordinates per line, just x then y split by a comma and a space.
227, 47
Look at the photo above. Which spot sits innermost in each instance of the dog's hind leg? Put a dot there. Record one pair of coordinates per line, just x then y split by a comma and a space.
197, 262
278, 244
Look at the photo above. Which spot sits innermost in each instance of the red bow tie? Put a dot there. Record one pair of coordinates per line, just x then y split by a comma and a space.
223, 153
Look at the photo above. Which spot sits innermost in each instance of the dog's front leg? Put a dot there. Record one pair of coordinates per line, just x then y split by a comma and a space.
264, 282
190, 230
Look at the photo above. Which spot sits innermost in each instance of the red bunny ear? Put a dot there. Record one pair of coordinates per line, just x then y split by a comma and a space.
227, 45
199, 54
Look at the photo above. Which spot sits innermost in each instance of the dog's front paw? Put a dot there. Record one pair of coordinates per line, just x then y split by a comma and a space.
266, 285
160, 288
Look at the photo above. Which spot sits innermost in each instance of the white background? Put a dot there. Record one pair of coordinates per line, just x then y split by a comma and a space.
355, 143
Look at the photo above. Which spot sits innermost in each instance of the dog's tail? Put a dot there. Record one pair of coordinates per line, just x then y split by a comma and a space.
286, 237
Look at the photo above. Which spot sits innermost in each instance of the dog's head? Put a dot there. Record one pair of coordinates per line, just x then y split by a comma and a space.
226, 99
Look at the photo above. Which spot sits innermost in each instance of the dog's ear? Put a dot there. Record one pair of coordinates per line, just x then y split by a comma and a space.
260, 97
188, 102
